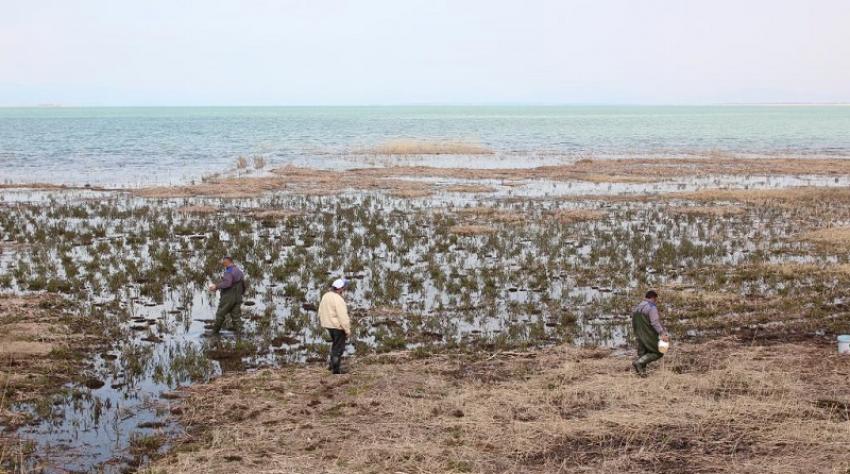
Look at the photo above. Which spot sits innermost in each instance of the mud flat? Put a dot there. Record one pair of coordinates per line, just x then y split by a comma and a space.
526, 276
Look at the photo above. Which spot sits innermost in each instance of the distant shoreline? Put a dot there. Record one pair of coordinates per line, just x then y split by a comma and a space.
377, 106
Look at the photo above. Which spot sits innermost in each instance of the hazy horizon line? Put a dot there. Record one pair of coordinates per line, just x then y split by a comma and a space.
427, 104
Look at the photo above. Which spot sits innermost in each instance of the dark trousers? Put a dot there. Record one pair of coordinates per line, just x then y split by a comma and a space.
646, 338
337, 348
228, 307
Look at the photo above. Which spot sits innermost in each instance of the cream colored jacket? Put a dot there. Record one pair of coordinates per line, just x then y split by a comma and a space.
333, 313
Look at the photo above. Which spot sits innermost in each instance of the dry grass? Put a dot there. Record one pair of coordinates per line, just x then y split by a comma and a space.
292, 179
718, 407
271, 214
798, 270
470, 188
37, 350
706, 211
328, 182
203, 210
472, 229
409, 192
835, 236
26, 329
800, 195
568, 216
427, 147
491, 214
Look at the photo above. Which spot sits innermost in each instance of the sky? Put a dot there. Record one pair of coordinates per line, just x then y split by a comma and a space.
389, 52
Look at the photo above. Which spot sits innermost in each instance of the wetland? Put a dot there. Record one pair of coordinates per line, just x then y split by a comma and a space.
484, 280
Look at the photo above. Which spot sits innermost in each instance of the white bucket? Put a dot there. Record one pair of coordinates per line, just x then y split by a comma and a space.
844, 344
663, 346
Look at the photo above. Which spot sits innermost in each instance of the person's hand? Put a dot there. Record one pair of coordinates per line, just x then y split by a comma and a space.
211, 287
665, 338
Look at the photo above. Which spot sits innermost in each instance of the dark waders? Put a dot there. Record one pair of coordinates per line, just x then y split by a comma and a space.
337, 348
230, 304
647, 342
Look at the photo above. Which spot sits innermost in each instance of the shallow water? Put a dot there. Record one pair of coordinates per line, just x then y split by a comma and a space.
132, 146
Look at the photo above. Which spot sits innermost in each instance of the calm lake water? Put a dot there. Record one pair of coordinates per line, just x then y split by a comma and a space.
131, 146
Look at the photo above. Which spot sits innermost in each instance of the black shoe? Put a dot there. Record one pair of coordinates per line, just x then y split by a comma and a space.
336, 365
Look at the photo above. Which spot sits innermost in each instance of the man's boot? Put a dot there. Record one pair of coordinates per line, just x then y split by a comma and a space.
640, 369
644, 360
336, 362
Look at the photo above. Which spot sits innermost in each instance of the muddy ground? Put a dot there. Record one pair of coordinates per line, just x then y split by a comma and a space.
719, 406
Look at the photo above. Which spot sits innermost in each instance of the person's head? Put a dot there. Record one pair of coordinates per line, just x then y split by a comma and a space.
651, 295
227, 261
339, 285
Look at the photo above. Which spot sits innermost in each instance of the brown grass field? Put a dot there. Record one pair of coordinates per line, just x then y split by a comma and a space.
720, 406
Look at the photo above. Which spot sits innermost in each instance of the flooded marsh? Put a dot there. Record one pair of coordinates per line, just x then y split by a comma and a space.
460, 264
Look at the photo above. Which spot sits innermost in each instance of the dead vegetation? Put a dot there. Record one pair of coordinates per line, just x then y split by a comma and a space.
470, 188
706, 211
389, 179
569, 216
427, 147
796, 195
491, 214
471, 229
272, 214
715, 407
295, 180
196, 209
833, 236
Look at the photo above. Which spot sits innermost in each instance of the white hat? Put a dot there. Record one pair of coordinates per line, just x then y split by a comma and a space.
339, 283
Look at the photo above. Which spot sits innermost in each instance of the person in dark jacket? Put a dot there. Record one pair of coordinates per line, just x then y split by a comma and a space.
231, 287
647, 328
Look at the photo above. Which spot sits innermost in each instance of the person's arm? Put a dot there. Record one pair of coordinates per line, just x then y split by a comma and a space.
655, 321
226, 281
342, 316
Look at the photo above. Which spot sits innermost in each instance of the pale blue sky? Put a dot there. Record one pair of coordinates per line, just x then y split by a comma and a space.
324, 52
